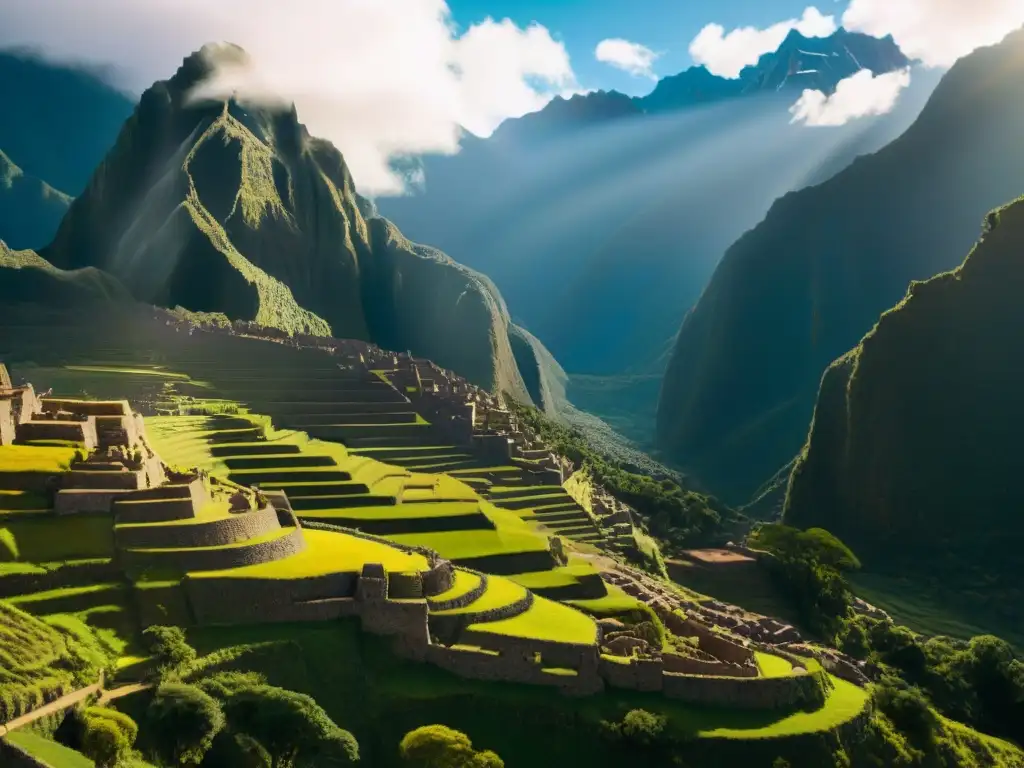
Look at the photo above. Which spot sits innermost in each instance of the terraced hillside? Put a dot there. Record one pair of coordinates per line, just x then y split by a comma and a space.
256, 413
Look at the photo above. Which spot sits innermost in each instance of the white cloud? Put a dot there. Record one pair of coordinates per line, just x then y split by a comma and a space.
938, 32
726, 54
380, 78
861, 95
630, 57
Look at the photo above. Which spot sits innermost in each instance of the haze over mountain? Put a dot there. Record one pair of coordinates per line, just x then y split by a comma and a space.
43, 162
913, 453
217, 207
601, 217
799, 289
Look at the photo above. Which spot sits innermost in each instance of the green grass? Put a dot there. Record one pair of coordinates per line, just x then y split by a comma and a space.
45, 538
326, 552
499, 593
545, 620
563, 576
773, 666
265, 538
465, 582
616, 602
29, 458
22, 501
48, 751
844, 703
458, 545
407, 511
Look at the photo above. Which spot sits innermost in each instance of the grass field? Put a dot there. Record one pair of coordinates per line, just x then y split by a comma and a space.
545, 620
326, 552
773, 666
499, 593
43, 538
29, 458
49, 752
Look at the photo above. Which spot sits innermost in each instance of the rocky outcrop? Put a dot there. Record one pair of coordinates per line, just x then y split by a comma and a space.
807, 283
913, 455
220, 207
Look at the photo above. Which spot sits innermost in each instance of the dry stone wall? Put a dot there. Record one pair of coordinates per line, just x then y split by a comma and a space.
229, 530
216, 559
237, 601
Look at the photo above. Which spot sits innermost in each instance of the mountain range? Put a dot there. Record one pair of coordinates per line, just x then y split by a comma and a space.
614, 211
216, 206
805, 284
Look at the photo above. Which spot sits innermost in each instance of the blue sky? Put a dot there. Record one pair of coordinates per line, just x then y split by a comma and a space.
666, 26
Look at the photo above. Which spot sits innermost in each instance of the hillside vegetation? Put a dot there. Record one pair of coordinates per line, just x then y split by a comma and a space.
26, 277
913, 454
217, 207
802, 287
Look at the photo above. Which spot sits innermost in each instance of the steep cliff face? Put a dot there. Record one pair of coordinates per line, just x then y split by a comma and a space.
803, 286
220, 206
30, 209
914, 452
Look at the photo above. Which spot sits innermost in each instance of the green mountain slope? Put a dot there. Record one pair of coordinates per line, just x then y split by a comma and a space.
914, 453
216, 206
30, 209
26, 277
803, 286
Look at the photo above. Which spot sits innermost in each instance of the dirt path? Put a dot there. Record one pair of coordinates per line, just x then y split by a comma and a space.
124, 690
64, 702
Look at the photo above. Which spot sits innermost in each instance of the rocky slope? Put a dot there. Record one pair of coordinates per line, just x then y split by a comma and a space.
30, 209
216, 206
913, 455
602, 217
804, 285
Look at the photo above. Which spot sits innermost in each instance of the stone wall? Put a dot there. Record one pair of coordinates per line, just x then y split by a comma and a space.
689, 665
215, 559
404, 618
131, 510
34, 482
440, 578
239, 601
120, 481
73, 431
634, 675
86, 407
510, 667
7, 426
229, 530
773, 693
405, 586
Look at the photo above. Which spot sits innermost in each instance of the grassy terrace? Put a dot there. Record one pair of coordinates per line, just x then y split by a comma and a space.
31, 458
545, 620
499, 594
326, 552
465, 582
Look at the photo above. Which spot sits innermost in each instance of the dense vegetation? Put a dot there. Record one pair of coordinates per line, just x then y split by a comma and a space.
674, 514
979, 682
913, 457
806, 284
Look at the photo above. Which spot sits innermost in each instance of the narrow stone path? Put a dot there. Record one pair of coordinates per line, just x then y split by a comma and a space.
121, 691
64, 702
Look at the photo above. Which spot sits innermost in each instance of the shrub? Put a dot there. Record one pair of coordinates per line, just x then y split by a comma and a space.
169, 647
183, 721
107, 736
438, 746
908, 709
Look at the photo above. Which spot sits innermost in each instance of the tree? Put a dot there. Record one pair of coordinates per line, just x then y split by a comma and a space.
292, 727
183, 722
169, 647
438, 746
108, 736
